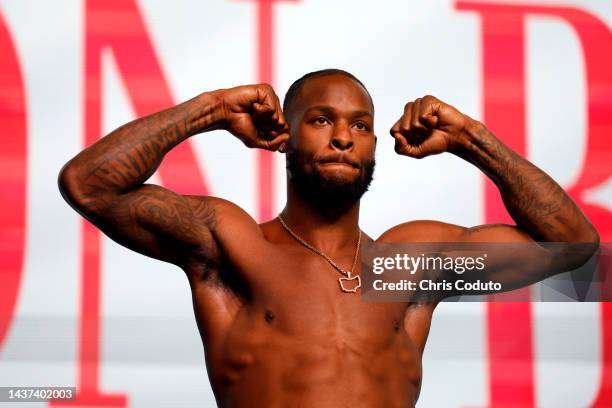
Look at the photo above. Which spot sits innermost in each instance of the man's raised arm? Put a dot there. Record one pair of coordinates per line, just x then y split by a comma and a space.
538, 205
104, 182
542, 210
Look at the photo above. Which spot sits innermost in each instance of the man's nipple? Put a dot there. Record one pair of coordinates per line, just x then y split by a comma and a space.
396, 325
269, 316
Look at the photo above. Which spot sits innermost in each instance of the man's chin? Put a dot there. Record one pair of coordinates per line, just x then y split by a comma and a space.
329, 186
337, 185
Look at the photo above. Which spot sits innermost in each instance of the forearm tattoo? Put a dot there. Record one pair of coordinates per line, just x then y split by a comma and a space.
147, 218
534, 200
131, 154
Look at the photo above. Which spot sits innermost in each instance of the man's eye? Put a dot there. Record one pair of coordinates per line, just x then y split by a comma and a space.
361, 126
321, 120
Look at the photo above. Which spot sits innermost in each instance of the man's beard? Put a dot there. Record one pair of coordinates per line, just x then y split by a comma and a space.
325, 193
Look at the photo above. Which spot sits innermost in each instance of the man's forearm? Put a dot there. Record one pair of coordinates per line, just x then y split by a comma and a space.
534, 200
128, 156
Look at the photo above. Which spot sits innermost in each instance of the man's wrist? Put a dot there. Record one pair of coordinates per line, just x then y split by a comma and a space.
470, 138
209, 113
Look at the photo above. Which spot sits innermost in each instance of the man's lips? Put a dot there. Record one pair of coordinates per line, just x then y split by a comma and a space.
340, 160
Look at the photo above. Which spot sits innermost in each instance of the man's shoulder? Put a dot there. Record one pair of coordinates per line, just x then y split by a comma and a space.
422, 231
229, 223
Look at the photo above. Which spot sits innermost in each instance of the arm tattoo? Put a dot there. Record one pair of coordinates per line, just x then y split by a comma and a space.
178, 224
110, 174
534, 200
129, 155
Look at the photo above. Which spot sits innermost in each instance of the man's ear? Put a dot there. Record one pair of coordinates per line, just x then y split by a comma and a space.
375, 140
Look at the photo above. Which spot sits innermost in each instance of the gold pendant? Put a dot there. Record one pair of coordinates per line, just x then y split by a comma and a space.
350, 279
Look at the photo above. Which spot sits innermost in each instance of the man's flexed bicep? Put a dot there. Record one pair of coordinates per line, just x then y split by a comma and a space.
516, 260
175, 228
513, 259
104, 182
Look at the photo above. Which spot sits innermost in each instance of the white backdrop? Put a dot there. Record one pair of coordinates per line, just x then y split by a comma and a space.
150, 348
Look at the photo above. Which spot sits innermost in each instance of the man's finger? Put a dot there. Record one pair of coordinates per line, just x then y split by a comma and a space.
283, 146
275, 143
415, 122
264, 94
429, 120
428, 112
281, 122
404, 122
395, 128
401, 145
262, 109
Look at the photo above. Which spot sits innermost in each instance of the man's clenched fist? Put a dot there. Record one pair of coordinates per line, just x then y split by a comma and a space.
428, 126
253, 114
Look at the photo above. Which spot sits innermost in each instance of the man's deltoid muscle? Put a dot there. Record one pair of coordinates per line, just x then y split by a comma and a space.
278, 330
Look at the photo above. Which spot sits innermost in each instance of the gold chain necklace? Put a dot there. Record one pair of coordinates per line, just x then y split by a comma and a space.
341, 280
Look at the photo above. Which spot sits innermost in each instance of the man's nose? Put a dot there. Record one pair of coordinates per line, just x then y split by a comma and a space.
342, 139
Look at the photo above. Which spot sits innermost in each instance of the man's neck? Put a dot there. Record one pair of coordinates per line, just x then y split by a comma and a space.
329, 231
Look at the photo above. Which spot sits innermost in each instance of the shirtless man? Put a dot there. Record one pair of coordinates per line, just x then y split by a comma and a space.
278, 330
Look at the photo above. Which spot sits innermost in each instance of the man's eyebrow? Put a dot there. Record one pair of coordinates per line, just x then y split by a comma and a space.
331, 111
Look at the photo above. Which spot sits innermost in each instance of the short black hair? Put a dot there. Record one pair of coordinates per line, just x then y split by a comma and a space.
295, 87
